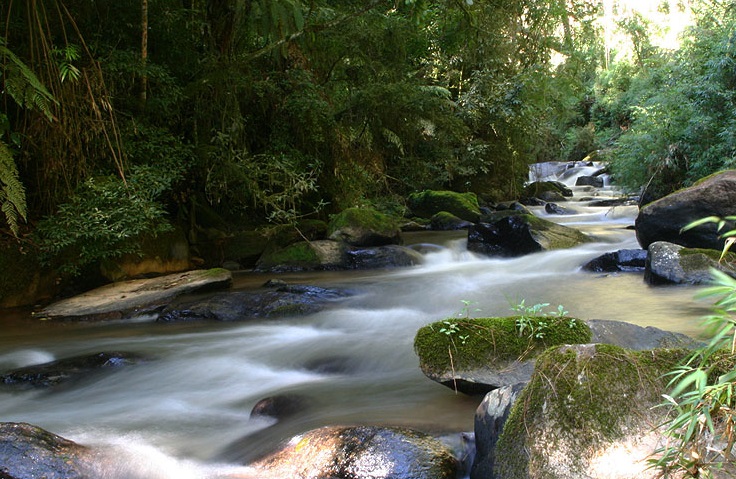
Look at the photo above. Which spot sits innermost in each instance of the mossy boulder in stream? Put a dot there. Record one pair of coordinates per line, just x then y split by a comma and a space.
588, 411
364, 227
520, 234
477, 355
670, 263
428, 203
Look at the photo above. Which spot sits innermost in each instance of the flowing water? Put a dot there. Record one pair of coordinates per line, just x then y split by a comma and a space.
178, 414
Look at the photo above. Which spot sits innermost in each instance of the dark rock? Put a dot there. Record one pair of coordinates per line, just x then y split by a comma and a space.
328, 365
589, 181
289, 300
613, 202
361, 452
444, 221
669, 263
428, 203
280, 407
538, 188
637, 338
517, 235
389, 256
663, 219
364, 227
490, 418
628, 260
66, 370
29, 452
555, 209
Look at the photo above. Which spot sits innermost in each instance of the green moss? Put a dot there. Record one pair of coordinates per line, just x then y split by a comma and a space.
483, 341
428, 203
364, 218
581, 398
554, 236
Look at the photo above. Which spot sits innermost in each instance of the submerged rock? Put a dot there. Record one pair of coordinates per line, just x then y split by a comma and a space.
65, 370
288, 300
136, 297
521, 234
361, 452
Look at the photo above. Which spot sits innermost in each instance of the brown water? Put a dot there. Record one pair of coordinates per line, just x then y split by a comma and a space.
173, 416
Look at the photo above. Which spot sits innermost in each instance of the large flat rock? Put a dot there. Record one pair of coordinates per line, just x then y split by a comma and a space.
135, 297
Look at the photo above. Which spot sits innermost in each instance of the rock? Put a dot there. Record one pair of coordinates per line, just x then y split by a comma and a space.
588, 411
333, 255
24, 280
361, 452
637, 338
613, 202
539, 189
389, 256
520, 234
490, 417
428, 203
627, 260
243, 248
475, 356
29, 452
290, 300
364, 227
66, 370
279, 407
135, 297
595, 181
669, 263
663, 219
555, 209
444, 221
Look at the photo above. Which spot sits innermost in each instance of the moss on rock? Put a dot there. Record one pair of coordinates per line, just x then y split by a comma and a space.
364, 227
492, 341
429, 202
580, 400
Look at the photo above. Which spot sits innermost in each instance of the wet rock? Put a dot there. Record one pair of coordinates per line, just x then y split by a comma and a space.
280, 406
669, 263
136, 297
539, 189
389, 256
428, 203
444, 221
29, 452
520, 234
637, 338
361, 452
364, 227
66, 370
329, 365
663, 219
555, 209
594, 181
289, 300
490, 417
626, 260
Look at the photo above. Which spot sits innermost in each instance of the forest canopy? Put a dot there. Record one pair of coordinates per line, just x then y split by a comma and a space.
122, 119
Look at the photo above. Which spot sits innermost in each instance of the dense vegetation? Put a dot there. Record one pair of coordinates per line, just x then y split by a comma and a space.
122, 118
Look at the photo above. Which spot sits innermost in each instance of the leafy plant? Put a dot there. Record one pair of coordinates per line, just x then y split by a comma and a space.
531, 319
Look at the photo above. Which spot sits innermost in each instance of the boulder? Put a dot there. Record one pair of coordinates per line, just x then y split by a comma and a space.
663, 219
475, 356
555, 209
280, 406
520, 234
136, 297
637, 338
29, 452
65, 370
381, 257
541, 189
490, 417
364, 227
588, 411
428, 203
669, 263
626, 260
289, 300
244, 248
340, 452
444, 221
595, 181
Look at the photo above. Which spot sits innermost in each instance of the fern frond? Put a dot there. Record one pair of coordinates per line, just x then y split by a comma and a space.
22, 84
12, 193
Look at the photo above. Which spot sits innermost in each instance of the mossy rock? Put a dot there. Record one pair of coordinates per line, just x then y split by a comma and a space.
445, 221
586, 406
364, 227
429, 202
281, 236
480, 354
537, 188
669, 263
245, 247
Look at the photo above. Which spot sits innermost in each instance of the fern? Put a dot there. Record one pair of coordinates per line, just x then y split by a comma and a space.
22, 84
12, 193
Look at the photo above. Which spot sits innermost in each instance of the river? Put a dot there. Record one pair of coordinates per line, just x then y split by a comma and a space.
175, 415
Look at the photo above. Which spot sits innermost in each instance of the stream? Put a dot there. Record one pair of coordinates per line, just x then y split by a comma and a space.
178, 415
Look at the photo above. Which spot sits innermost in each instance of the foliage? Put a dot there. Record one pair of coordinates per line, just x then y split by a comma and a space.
536, 322
106, 219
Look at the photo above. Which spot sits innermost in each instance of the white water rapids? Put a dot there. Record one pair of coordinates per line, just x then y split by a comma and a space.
173, 416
